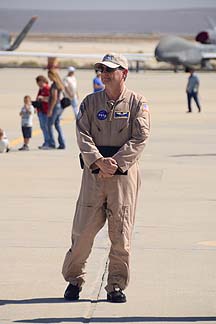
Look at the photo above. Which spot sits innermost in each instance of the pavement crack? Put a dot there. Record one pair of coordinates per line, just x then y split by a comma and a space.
94, 302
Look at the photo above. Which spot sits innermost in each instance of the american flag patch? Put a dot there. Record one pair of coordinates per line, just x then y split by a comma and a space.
145, 107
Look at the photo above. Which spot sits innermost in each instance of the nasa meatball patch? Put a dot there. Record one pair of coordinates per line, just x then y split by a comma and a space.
102, 115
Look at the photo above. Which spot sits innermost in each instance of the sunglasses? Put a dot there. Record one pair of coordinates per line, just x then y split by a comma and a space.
106, 69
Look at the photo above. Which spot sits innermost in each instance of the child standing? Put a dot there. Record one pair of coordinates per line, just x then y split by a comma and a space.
26, 114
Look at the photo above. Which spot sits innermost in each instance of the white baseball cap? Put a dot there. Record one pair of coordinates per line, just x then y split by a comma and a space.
113, 61
71, 69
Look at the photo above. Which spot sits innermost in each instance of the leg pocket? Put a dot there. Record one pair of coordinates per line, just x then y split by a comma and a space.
118, 222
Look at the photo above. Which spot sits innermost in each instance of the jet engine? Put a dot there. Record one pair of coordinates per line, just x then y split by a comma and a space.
206, 37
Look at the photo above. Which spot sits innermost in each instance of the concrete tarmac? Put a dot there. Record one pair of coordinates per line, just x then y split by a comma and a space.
174, 242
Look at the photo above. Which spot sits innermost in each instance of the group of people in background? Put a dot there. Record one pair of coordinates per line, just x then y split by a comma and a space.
49, 109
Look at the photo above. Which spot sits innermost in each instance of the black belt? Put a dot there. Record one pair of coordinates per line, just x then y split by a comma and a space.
106, 151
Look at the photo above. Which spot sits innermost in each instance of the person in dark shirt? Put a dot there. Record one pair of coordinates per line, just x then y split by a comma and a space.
192, 90
42, 109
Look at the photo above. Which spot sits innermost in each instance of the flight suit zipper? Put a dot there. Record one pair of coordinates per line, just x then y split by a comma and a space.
111, 105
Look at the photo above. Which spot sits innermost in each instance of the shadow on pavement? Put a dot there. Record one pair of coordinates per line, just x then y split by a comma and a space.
46, 301
136, 319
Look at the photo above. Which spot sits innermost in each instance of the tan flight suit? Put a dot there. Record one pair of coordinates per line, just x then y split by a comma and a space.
124, 123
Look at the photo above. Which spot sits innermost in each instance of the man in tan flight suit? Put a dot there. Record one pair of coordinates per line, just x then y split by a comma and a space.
112, 128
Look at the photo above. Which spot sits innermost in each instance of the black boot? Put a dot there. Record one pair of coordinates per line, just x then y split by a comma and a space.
72, 292
116, 296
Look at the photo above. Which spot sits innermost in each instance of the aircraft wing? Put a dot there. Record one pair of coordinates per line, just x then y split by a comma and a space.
139, 56
130, 57
209, 55
47, 54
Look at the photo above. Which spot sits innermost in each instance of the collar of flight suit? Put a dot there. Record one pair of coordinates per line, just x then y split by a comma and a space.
112, 105
120, 98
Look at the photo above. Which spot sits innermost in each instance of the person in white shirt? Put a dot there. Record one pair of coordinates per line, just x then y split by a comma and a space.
70, 84
26, 114
4, 143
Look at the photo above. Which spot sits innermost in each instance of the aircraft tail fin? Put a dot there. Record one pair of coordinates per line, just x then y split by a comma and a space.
22, 34
211, 22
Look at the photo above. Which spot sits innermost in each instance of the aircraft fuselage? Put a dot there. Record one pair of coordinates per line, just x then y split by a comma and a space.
178, 51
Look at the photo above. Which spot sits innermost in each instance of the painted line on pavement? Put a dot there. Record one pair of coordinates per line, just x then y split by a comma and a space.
207, 243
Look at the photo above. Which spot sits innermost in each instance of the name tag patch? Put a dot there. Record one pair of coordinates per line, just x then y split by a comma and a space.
121, 114
102, 115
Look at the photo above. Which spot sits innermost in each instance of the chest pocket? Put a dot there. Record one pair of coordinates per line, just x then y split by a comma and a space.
121, 117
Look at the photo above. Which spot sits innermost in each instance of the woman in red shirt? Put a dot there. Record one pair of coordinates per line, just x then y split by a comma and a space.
43, 97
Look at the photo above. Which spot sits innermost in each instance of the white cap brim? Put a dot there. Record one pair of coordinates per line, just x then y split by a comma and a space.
108, 64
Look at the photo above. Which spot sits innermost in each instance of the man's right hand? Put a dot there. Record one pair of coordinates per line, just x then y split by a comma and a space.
107, 165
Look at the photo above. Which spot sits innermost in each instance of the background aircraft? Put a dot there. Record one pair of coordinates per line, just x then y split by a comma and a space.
53, 57
171, 49
5, 38
207, 36
179, 51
